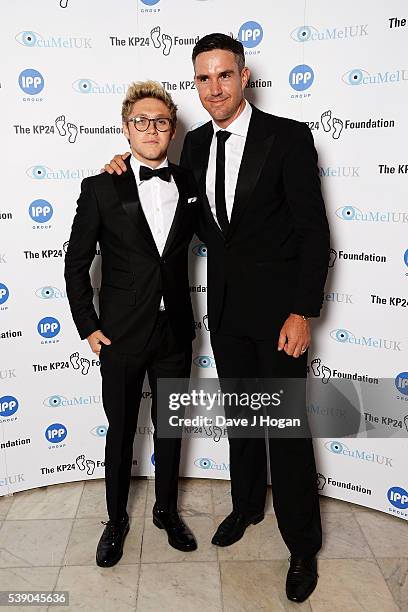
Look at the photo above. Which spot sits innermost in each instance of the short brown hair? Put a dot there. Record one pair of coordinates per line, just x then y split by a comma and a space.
148, 89
214, 41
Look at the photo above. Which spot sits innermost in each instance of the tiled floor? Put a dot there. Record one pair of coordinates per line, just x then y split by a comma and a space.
48, 538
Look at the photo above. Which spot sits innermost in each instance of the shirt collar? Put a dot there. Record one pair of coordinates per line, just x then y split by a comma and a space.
135, 165
240, 125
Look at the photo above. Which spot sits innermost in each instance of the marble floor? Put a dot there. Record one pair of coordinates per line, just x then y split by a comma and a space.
48, 538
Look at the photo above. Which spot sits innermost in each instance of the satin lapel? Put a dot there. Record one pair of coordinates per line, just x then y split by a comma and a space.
257, 147
126, 187
182, 201
201, 155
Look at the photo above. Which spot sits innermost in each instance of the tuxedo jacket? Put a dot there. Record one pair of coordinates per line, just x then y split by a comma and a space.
134, 275
274, 258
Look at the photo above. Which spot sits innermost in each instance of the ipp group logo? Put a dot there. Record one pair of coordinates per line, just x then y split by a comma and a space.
50, 293
55, 434
28, 38
344, 336
204, 361
8, 406
200, 250
359, 76
308, 33
32, 83
401, 383
398, 498
406, 260
89, 87
250, 34
4, 295
41, 212
48, 328
352, 213
301, 77
149, 6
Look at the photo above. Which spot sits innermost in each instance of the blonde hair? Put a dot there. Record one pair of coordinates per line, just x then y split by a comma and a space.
148, 89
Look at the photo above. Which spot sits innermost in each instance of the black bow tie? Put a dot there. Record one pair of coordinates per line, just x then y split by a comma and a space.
146, 173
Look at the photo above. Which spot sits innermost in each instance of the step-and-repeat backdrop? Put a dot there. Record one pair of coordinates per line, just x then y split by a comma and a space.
341, 68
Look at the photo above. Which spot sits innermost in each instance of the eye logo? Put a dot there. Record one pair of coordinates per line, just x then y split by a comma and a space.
54, 401
100, 431
8, 405
200, 250
301, 77
341, 335
38, 172
204, 463
250, 34
40, 211
203, 361
47, 293
355, 76
31, 81
27, 38
4, 293
303, 34
84, 86
398, 497
336, 447
55, 433
348, 213
401, 382
48, 327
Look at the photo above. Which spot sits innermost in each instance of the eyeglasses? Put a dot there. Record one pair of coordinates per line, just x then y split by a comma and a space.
142, 124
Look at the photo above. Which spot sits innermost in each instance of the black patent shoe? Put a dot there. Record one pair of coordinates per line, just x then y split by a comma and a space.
233, 527
178, 534
302, 578
110, 546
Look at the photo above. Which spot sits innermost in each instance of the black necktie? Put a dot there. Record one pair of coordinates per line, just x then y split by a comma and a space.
146, 173
220, 204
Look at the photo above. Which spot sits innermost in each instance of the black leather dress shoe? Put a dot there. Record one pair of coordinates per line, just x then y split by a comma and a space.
302, 578
110, 546
233, 527
178, 534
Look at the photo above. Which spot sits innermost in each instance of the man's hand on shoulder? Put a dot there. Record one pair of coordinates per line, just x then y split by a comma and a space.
96, 339
116, 164
295, 336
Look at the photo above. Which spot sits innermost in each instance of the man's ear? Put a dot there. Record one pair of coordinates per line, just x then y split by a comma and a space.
174, 133
245, 74
126, 131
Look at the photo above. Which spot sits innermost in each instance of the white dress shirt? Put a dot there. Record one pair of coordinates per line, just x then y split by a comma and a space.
234, 149
159, 202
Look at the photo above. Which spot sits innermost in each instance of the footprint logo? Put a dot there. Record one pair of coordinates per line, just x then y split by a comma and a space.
74, 359
321, 481
85, 363
60, 125
80, 461
63, 3
333, 257
167, 44
315, 365
90, 467
73, 132
320, 370
205, 322
338, 127
217, 431
155, 36
406, 422
325, 120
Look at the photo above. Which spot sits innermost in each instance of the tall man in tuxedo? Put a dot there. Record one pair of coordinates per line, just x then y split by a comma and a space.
144, 221
263, 220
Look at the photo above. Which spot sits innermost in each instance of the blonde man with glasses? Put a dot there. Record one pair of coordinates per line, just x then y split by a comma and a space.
144, 221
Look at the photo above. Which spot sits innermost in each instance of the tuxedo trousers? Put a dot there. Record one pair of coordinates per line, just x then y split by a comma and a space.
122, 385
292, 462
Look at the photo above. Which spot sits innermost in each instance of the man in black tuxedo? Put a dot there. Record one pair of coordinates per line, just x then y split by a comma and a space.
262, 218
144, 221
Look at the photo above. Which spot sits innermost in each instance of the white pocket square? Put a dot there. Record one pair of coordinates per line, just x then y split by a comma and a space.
190, 200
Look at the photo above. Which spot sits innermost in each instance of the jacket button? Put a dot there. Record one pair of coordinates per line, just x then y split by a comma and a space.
164, 261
